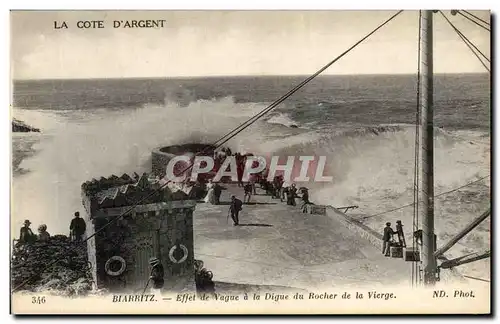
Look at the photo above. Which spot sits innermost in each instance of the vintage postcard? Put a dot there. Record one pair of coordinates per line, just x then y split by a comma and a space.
250, 162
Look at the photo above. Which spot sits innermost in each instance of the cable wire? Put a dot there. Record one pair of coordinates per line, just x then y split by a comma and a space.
441, 194
470, 13
472, 20
247, 123
222, 140
480, 279
466, 41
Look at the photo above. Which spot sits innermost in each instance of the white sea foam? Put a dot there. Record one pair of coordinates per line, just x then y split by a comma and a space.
283, 119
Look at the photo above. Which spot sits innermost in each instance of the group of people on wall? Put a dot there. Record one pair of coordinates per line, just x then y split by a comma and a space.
278, 189
77, 230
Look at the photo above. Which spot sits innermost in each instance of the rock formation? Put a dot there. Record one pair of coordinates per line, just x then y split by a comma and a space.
68, 277
19, 126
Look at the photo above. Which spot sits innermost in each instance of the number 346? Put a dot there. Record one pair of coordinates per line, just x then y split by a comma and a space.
38, 300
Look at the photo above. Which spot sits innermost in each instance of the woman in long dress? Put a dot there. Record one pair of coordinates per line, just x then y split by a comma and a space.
210, 197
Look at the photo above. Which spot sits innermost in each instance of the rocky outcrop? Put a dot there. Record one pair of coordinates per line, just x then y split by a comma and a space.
20, 126
68, 277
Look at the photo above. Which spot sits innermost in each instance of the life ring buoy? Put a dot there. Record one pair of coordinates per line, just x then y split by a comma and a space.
107, 266
172, 250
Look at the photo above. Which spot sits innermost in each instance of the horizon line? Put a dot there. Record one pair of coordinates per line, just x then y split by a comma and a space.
236, 76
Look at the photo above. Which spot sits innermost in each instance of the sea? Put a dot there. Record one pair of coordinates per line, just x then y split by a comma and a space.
363, 124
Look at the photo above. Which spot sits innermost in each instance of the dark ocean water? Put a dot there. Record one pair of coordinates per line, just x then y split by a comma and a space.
362, 124
461, 101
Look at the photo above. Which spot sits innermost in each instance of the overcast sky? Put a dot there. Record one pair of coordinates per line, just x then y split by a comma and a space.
204, 43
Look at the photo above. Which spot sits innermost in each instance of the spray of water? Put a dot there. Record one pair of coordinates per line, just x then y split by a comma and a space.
372, 167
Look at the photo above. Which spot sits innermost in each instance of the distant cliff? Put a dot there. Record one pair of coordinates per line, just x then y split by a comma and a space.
19, 126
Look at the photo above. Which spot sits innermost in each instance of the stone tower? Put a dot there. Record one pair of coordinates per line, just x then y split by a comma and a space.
160, 226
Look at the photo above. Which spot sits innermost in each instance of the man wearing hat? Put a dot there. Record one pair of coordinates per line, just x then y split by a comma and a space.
26, 235
401, 234
77, 227
234, 209
387, 238
156, 275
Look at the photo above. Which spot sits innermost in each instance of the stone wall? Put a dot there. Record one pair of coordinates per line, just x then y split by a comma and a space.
161, 156
364, 231
91, 251
179, 230
165, 225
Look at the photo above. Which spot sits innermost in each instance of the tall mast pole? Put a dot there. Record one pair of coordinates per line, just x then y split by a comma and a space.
427, 147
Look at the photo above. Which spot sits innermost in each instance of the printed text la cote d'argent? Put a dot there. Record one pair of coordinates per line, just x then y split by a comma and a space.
99, 24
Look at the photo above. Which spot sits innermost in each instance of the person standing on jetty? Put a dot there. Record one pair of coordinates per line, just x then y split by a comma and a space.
387, 238
210, 197
277, 184
292, 193
77, 228
240, 166
217, 193
235, 209
26, 234
284, 191
248, 192
254, 179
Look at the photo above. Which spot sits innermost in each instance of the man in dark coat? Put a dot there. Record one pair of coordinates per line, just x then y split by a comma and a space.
292, 193
157, 273
277, 183
240, 166
387, 238
26, 234
234, 209
77, 227
217, 193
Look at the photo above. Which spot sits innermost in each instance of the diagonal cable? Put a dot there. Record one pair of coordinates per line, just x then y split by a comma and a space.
472, 20
441, 194
247, 123
466, 41
465, 38
482, 20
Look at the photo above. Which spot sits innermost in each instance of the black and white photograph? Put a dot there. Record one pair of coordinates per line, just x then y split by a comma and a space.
250, 161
